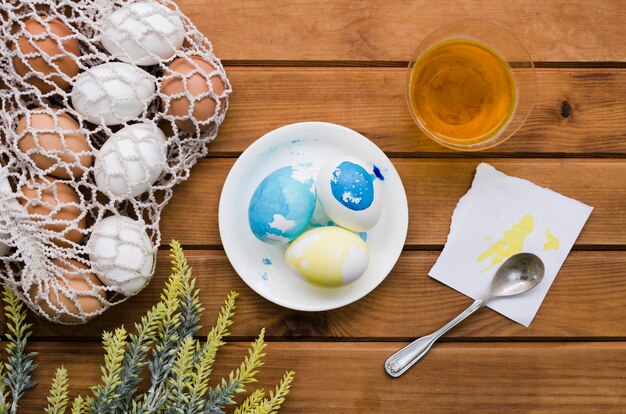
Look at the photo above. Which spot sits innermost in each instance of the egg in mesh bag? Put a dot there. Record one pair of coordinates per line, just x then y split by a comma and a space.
105, 107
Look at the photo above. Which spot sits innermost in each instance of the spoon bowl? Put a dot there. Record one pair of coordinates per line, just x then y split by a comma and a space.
518, 274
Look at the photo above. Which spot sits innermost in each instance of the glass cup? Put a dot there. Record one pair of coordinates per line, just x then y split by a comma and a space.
497, 43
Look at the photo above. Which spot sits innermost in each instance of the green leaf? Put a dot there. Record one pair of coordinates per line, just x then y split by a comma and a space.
206, 357
135, 357
248, 369
106, 399
81, 405
58, 398
20, 364
276, 399
189, 297
223, 394
181, 376
251, 402
168, 339
4, 391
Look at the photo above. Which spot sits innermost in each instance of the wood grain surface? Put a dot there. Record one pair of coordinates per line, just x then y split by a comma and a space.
389, 30
344, 62
455, 377
433, 187
573, 115
406, 305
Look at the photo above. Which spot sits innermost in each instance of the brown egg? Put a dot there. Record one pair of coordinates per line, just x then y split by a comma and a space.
43, 202
63, 58
75, 281
197, 84
61, 146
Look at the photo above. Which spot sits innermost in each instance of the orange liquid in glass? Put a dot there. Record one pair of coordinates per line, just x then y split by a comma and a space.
462, 91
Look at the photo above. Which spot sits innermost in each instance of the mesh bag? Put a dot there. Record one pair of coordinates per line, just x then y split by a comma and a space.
106, 105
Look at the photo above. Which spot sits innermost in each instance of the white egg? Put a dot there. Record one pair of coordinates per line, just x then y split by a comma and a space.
350, 191
122, 253
131, 160
5, 189
112, 93
142, 33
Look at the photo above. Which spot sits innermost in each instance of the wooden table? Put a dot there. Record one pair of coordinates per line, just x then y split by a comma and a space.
344, 62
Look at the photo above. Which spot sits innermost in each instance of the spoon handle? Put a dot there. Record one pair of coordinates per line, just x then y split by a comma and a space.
401, 361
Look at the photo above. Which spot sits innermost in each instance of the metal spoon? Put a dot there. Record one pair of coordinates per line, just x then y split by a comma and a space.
518, 274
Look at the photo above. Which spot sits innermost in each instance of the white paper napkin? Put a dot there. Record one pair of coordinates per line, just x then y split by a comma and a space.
501, 216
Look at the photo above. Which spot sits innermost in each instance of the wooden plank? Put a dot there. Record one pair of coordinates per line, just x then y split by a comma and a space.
371, 101
389, 30
348, 377
433, 188
587, 300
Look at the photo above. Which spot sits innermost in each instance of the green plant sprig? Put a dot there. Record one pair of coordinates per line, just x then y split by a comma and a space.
58, 398
135, 356
18, 370
179, 365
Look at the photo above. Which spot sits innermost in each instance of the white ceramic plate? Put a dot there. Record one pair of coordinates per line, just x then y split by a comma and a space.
261, 265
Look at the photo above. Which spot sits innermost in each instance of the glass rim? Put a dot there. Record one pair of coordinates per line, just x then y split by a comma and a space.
527, 63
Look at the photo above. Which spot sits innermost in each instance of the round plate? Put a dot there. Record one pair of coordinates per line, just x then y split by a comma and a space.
262, 265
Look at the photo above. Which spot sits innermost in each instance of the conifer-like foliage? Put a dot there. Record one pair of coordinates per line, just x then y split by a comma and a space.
17, 371
177, 364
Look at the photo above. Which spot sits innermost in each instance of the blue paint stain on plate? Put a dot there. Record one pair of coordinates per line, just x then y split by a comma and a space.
271, 150
265, 276
362, 235
378, 174
267, 261
329, 223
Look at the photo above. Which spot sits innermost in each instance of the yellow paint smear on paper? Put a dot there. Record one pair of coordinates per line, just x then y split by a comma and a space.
552, 242
512, 242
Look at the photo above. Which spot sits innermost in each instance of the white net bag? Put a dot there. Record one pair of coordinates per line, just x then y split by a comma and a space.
106, 105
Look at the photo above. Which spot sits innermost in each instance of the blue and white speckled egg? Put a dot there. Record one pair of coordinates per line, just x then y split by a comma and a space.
282, 205
328, 256
350, 192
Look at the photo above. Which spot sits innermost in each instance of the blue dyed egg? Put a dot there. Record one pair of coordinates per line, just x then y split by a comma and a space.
282, 205
350, 192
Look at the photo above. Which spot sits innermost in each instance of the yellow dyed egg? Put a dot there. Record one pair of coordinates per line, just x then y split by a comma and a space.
328, 256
